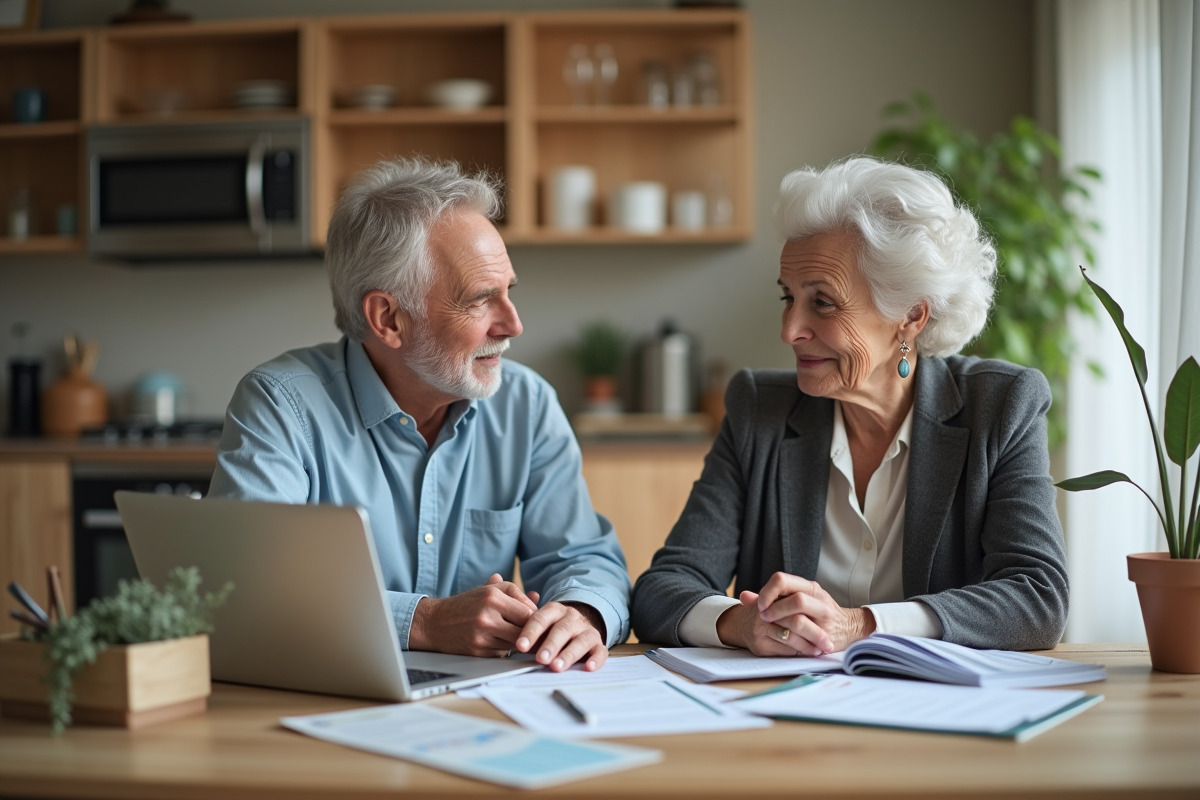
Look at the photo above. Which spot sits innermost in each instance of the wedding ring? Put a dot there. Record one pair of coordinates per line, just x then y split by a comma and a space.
784, 633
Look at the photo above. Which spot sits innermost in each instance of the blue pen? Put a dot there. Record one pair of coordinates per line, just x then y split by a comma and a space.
23, 597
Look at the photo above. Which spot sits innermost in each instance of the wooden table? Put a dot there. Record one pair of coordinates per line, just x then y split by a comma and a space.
1143, 741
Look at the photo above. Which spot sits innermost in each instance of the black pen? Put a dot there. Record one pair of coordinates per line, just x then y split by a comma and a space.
16, 591
575, 711
26, 619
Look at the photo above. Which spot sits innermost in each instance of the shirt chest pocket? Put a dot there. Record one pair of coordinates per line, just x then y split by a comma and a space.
490, 545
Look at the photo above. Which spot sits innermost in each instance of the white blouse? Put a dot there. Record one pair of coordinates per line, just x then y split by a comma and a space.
861, 548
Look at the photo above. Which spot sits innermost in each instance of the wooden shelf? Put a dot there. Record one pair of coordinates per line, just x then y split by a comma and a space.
45, 158
418, 116
640, 114
41, 130
117, 75
42, 244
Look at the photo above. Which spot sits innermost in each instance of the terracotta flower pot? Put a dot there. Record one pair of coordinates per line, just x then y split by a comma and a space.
1169, 592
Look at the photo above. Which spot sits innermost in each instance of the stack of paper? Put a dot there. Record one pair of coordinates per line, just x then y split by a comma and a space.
635, 708
892, 703
708, 664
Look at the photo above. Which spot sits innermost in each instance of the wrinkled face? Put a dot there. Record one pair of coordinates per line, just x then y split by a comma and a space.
843, 346
469, 316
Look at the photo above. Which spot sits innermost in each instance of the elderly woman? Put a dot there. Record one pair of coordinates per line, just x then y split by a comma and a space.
886, 484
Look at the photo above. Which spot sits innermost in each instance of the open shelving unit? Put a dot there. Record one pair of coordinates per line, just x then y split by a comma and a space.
181, 73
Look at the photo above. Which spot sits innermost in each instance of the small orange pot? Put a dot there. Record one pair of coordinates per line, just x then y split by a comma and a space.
1169, 592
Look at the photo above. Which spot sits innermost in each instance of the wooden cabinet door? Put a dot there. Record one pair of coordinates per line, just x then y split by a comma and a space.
642, 490
35, 529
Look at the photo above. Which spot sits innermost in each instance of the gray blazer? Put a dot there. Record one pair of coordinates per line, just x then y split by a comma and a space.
983, 546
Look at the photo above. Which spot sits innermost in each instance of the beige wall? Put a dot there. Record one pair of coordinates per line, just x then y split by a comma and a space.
823, 70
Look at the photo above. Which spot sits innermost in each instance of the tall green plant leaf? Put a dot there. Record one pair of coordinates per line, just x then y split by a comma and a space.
1137, 355
1181, 420
1181, 435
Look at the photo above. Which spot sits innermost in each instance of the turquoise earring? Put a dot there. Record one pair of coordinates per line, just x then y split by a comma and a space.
903, 367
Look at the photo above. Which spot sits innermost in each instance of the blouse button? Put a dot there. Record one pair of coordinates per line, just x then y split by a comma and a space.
868, 544
429, 538
404, 420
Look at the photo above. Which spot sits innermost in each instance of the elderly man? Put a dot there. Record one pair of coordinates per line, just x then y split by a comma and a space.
462, 465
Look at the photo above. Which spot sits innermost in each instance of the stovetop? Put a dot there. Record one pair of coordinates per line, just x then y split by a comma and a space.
188, 430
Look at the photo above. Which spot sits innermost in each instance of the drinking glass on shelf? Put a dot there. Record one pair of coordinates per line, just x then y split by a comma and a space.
704, 73
720, 204
606, 73
683, 89
578, 72
656, 91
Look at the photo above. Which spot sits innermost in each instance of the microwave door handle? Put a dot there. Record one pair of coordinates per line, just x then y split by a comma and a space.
254, 185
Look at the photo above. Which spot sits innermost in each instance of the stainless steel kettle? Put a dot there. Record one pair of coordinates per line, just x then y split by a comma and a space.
669, 372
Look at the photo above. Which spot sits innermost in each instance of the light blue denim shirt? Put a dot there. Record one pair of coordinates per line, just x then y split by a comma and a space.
502, 480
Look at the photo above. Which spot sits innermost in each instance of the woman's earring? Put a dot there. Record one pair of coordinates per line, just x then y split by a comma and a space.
903, 367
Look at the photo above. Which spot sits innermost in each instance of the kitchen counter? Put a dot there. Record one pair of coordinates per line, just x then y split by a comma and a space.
94, 451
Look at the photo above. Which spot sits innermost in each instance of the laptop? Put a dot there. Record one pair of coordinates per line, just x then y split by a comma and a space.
308, 610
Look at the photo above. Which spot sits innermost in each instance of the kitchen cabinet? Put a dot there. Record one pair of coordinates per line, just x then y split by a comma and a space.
701, 146
409, 53
530, 126
181, 73
43, 161
35, 528
642, 488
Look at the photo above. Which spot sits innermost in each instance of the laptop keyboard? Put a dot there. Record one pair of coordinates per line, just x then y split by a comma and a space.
416, 676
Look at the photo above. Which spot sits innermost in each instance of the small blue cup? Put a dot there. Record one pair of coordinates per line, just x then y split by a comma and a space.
29, 104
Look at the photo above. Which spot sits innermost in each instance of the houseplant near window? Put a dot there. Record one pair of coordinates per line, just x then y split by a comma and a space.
1030, 209
1168, 583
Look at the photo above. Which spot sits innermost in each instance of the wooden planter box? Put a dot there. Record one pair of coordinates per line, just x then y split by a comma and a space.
129, 685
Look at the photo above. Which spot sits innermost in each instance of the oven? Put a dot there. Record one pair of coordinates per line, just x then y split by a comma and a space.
102, 556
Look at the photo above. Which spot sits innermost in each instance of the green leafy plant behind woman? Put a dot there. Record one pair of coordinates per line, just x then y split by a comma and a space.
1031, 209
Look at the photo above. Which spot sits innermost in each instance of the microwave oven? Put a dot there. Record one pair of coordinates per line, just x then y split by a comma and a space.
195, 190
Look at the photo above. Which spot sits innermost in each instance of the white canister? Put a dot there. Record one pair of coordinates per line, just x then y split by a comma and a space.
689, 210
572, 197
640, 207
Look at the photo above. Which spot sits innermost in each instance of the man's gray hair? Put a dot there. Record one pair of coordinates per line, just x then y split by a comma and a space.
379, 234
916, 244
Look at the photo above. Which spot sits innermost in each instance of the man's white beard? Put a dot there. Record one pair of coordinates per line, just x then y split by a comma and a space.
443, 371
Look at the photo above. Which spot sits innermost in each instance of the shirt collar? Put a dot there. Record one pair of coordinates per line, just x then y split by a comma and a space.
375, 403
841, 444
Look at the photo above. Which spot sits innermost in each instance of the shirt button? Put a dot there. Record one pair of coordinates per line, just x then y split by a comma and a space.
404, 420
429, 538
868, 544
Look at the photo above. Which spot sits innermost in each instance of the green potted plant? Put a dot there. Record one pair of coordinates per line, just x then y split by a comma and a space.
599, 354
137, 657
1168, 584
1031, 210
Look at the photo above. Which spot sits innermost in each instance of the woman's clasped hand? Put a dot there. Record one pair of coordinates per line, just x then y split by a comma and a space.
792, 616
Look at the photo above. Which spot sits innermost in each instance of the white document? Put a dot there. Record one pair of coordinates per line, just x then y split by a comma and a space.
896, 703
476, 748
615, 670
636, 708
707, 664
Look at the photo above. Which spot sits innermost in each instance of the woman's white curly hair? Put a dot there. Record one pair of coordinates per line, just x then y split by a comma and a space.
917, 244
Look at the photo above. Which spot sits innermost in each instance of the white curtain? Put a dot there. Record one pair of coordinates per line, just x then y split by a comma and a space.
1128, 105
1181, 183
